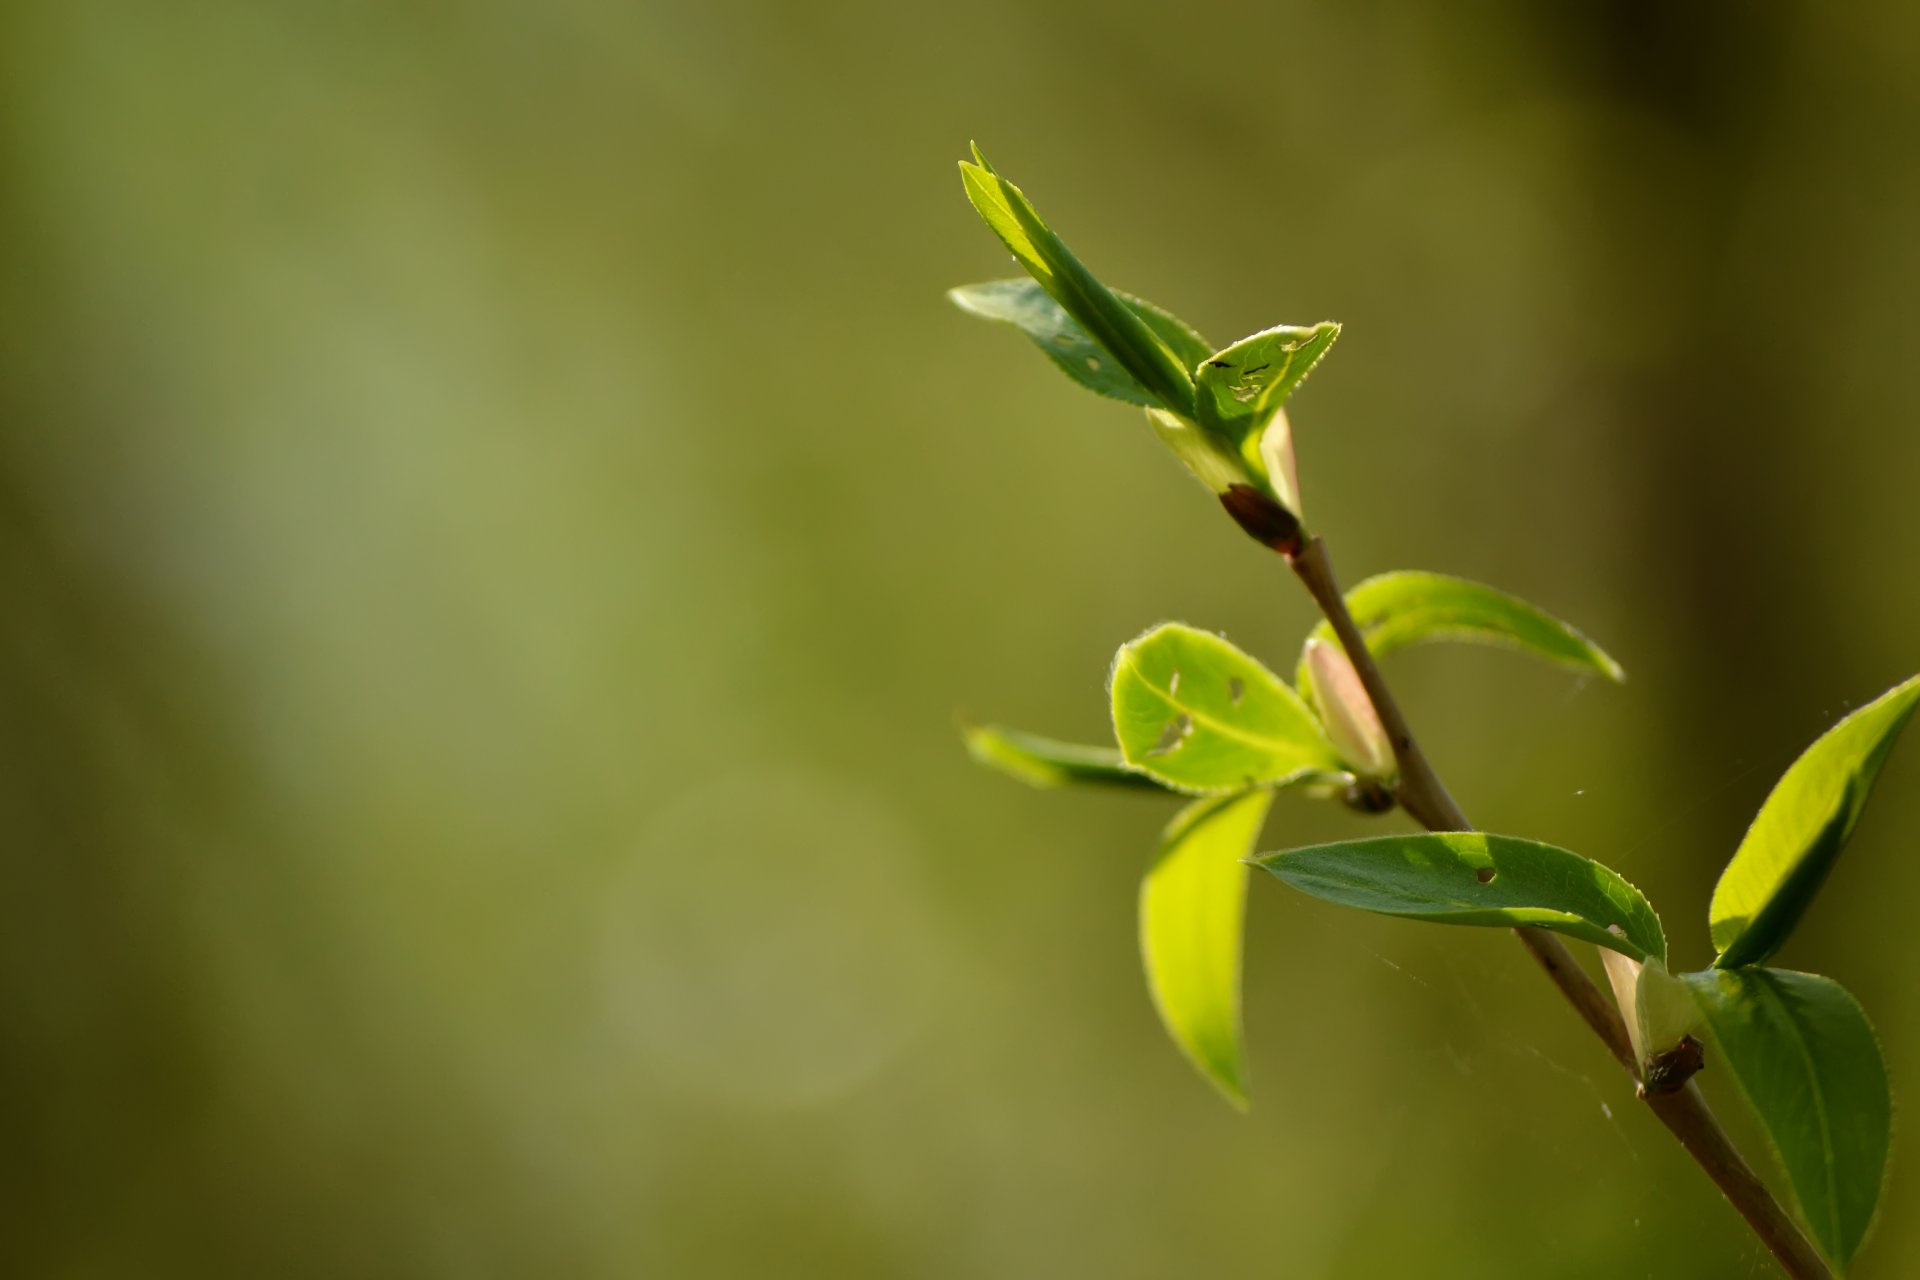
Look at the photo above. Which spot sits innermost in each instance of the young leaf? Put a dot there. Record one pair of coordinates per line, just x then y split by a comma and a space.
1192, 912
1808, 1062
1240, 387
1466, 877
1398, 609
1023, 304
1110, 321
1801, 829
1201, 716
1046, 763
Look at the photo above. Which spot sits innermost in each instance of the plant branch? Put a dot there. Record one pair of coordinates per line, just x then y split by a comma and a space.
1684, 1112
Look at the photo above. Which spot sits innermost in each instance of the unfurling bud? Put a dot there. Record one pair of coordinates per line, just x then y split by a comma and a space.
1661, 1018
1276, 455
1352, 725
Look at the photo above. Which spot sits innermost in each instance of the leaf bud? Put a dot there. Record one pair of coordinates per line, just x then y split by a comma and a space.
1352, 725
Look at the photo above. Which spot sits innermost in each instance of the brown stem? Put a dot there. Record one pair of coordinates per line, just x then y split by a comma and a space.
1685, 1112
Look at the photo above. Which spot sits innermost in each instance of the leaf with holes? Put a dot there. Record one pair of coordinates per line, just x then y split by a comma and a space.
1192, 912
1242, 386
1116, 327
1395, 610
1800, 830
1467, 877
1201, 716
1809, 1064
1027, 307
1047, 763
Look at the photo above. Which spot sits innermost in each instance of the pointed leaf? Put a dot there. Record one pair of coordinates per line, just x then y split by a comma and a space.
1801, 829
1395, 610
1023, 304
1467, 877
1046, 763
1192, 912
1201, 716
1110, 322
1241, 386
1807, 1060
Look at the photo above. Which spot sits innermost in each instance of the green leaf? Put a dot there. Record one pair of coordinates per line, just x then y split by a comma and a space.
1026, 306
1801, 829
1110, 322
1240, 387
1046, 763
1807, 1060
1395, 610
1466, 877
1192, 913
1201, 716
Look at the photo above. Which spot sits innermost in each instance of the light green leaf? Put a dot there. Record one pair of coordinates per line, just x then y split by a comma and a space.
1026, 306
1047, 763
1110, 322
1192, 913
1395, 610
1240, 387
1807, 1060
1466, 877
1801, 829
1201, 716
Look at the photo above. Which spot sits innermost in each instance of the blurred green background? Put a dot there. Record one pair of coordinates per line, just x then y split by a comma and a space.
497, 522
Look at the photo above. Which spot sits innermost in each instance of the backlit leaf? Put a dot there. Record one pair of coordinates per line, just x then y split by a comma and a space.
1241, 386
1192, 913
1395, 610
1047, 763
1201, 716
1801, 829
1111, 323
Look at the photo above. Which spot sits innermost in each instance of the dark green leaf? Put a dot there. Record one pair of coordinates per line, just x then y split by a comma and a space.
1808, 1062
1801, 829
1026, 306
1201, 716
1398, 609
1192, 912
1466, 877
1047, 763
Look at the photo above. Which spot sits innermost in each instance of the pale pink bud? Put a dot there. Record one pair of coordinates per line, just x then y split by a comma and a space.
1352, 725
1623, 974
1276, 455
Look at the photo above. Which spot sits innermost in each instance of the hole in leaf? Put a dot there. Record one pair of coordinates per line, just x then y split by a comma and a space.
1093, 364
1485, 875
1236, 689
1064, 339
1173, 735
1173, 684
